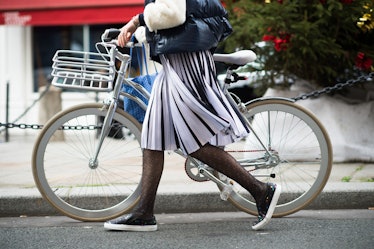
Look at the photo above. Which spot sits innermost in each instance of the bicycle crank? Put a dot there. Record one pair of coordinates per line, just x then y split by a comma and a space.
192, 167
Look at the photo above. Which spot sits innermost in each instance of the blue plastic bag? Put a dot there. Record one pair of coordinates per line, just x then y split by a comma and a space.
145, 80
131, 106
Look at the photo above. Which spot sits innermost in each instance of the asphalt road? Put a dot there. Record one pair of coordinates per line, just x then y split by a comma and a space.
305, 229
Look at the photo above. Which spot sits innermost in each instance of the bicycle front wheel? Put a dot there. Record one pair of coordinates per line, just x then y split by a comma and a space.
67, 174
300, 157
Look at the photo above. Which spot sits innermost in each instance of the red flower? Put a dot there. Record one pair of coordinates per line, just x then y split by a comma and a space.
363, 62
268, 38
280, 43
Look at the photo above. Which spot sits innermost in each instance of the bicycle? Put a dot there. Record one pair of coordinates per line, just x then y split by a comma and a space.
287, 143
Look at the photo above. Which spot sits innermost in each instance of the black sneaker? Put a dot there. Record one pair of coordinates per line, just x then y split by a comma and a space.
267, 206
132, 223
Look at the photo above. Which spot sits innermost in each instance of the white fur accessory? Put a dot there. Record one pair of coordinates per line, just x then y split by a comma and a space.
164, 14
140, 34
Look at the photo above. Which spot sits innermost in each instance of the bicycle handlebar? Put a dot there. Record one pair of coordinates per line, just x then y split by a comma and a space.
109, 42
110, 36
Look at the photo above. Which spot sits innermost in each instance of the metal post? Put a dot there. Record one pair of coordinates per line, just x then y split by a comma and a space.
7, 112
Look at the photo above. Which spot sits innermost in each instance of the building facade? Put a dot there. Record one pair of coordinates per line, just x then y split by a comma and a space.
30, 34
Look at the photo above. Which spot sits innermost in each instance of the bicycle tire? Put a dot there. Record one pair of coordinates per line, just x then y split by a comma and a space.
64, 175
303, 147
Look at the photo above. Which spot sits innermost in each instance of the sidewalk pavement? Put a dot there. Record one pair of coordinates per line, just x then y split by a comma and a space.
177, 192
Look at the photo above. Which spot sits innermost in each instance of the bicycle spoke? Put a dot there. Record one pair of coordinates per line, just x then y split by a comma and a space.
299, 154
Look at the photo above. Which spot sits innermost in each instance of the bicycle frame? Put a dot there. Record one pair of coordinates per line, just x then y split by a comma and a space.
111, 103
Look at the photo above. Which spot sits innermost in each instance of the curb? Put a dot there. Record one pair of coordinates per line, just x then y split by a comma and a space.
357, 198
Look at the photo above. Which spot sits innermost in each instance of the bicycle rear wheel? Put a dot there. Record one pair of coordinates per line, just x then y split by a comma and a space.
301, 155
68, 178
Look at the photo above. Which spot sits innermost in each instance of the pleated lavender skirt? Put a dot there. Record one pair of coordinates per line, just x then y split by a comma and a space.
187, 108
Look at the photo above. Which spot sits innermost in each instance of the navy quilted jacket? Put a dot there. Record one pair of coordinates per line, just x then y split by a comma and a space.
206, 25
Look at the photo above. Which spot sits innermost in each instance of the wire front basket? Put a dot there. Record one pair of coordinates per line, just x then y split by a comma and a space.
83, 70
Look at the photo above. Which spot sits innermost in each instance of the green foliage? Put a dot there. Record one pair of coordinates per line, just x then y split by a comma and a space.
346, 178
315, 40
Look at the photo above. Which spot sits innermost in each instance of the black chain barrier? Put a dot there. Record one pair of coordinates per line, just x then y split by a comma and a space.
22, 126
338, 86
315, 94
64, 127
25, 126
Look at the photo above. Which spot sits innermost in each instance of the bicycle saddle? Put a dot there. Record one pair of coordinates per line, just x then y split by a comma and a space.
240, 58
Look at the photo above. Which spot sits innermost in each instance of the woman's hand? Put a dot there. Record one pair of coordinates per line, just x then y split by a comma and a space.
127, 31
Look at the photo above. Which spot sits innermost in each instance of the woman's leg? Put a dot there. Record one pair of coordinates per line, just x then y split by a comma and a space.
265, 194
153, 165
223, 162
141, 217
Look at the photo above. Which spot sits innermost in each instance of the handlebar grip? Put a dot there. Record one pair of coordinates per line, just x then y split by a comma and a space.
110, 34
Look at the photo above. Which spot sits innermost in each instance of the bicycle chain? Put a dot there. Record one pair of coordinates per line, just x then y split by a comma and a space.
314, 94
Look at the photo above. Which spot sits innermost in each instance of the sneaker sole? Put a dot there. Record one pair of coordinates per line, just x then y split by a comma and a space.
131, 228
271, 209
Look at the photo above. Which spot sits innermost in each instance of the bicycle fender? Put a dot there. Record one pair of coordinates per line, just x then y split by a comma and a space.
269, 98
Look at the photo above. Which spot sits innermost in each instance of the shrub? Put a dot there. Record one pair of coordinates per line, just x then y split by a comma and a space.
321, 41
